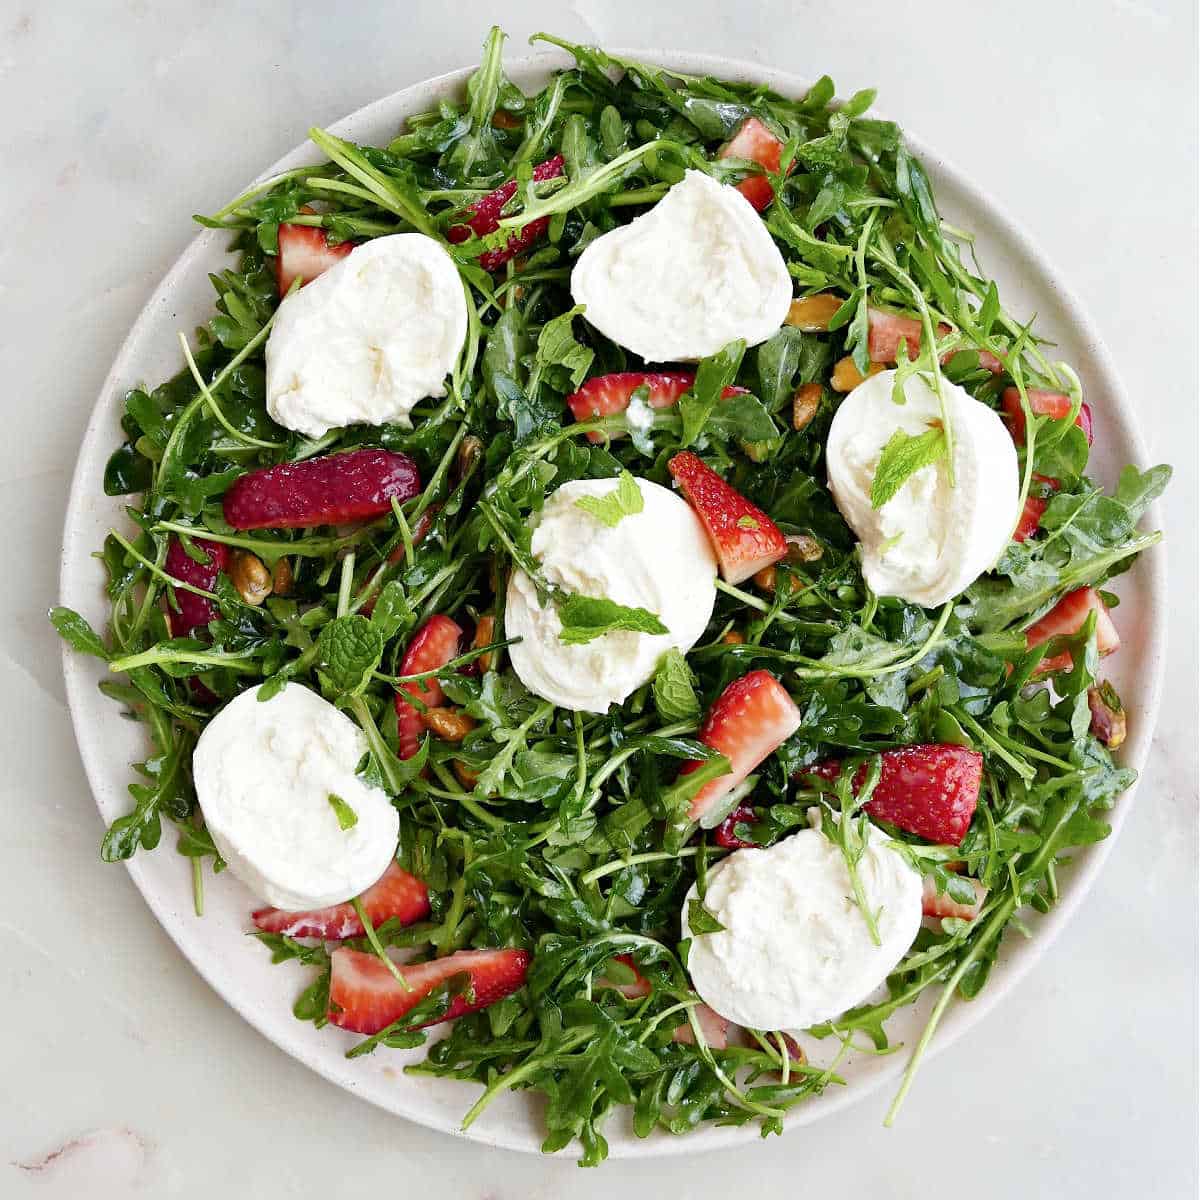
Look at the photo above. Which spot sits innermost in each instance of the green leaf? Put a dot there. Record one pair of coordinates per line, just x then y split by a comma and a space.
77, 633
585, 618
700, 920
902, 457
713, 376
556, 345
625, 500
348, 651
674, 688
392, 613
347, 818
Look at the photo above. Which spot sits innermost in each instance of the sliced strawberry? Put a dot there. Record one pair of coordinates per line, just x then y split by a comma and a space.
364, 995
885, 332
724, 835
483, 217
639, 988
1042, 404
755, 143
432, 647
1034, 510
743, 537
929, 790
331, 490
933, 905
608, 394
304, 252
747, 723
395, 894
714, 1027
194, 611
1068, 616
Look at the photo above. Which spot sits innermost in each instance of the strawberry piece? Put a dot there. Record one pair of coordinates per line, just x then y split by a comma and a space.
724, 835
304, 252
714, 1027
331, 490
432, 647
638, 989
743, 537
929, 790
194, 611
1034, 510
1042, 404
395, 894
747, 723
365, 997
885, 332
933, 905
1068, 616
608, 394
483, 217
755, 143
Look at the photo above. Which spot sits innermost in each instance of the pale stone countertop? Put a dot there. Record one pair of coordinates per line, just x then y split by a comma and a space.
124, 1074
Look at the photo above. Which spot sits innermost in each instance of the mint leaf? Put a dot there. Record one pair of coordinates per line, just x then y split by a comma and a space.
556, 346
585, 618
624, 501
700, 920
674, 688
347, 818
348, 651
713, 376
76, 632
903, 456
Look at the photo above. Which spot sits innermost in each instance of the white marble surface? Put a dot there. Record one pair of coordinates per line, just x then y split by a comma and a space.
124, 1075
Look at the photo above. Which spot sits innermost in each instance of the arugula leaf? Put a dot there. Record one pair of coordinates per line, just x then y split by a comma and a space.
348, 651
701, 921
585, 618
77, 633
903, 456
674, 688
713, 376
556, 346
393, 613
625, 500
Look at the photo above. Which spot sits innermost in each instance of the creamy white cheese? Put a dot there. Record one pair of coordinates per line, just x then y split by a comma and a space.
264, 774
796, 949
367, 339
691, 275
930, 540
658, 559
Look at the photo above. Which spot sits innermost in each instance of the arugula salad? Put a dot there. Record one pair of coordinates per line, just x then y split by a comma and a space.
697, 545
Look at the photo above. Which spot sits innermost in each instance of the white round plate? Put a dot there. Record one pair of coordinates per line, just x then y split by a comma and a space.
240, 969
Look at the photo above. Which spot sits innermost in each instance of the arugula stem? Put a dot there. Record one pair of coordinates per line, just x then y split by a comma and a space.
377, 945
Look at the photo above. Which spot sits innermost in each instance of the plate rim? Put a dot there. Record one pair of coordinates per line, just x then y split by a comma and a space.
1152, 562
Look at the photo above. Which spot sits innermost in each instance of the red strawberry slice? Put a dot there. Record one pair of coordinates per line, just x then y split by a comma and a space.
714, 1027
332, 490
608, 394
395, 894
304, 252
432, 647
637, 989
1034, 510
1068, 616
1042, 404
754, 142
747, 723
724, 835
929, 790
885, 332
933, 905
194, 611
483, 217
743, 537
365, 997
